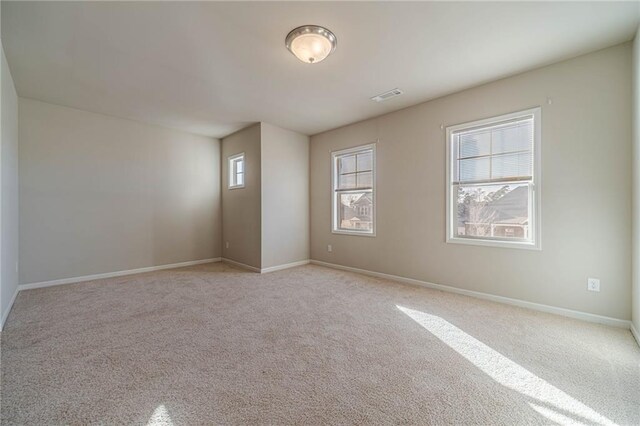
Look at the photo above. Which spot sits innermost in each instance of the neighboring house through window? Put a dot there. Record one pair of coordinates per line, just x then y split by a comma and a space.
493, 194
353, 194
236, 171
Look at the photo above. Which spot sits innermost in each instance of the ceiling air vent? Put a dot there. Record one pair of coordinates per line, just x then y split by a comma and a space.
387, 95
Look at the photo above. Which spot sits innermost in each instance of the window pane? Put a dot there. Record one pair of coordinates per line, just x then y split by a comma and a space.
498, 211
353, 190
236, 170
347, 164
514, 137
365, 180
474, 144
474, 169
347, 181
511, 165
365, 161
355, 211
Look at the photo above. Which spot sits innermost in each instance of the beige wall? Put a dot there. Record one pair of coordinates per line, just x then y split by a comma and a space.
9, 197
586, 188
241, 207
285, 196
101, 194
635, 297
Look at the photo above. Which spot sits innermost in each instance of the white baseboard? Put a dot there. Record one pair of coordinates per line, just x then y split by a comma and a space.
266, 270
635, 333
615, 322
114, 274
5, 315
285, 266
241, 265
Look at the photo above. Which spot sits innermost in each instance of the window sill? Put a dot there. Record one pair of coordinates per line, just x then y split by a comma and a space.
236, 187
494, 243
356, 233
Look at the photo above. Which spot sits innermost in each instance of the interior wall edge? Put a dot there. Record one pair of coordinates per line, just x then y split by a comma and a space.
285, 266
285, 236
241, 208
240, 265
635, 332
635, 193
122, 117
6, 313
9, 192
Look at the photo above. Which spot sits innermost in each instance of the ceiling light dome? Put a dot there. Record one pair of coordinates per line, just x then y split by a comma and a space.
311, 43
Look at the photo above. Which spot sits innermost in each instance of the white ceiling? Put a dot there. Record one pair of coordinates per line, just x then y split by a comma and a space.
212, 68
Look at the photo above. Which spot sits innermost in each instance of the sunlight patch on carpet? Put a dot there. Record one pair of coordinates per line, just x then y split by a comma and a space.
160, 417
556, 416
567, 410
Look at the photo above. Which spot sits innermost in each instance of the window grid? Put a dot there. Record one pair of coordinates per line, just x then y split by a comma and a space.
489, 206
357, 173
491, 130
236, 171
353, 200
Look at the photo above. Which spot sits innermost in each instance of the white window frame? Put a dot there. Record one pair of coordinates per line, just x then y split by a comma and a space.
535, 213
232, 173
334, 179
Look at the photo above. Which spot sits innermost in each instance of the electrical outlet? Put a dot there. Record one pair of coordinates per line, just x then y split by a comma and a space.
226, 245
593, 284
329, 248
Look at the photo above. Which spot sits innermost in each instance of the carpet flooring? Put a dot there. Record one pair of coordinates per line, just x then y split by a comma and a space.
213, 344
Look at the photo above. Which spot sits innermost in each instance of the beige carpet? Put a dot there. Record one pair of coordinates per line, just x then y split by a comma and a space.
216, 345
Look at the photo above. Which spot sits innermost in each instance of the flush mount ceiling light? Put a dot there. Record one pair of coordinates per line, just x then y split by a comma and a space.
311, 43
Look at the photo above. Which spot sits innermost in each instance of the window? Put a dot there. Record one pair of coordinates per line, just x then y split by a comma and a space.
236, 171
493, 173
353, 196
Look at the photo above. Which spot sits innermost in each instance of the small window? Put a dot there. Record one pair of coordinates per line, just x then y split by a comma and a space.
353, 196
236, 171
492, 181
